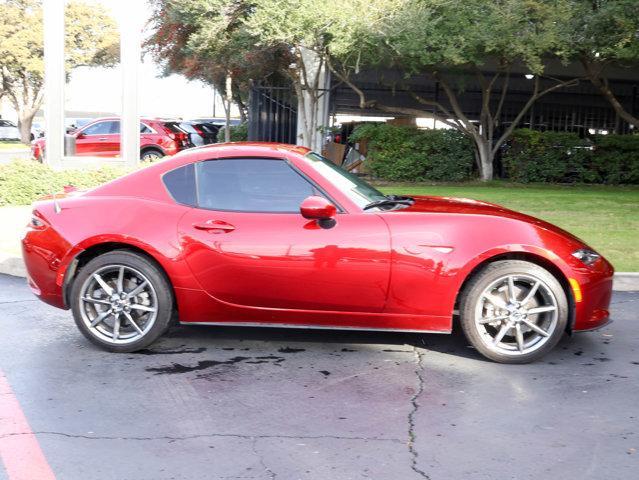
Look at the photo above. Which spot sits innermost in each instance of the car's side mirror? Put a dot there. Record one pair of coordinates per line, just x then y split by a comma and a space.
320, 209
79, 135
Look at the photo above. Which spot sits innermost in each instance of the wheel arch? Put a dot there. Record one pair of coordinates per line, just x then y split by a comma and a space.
148, 148
532, 258
95, 250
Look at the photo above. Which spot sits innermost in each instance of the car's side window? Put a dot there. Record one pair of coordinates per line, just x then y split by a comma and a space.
181, 184
100, 128
251, 185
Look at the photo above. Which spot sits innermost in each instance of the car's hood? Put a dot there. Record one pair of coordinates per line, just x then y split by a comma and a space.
467, 206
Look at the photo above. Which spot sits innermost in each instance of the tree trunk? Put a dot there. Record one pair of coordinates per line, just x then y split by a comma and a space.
25, 120
237, 99
485, 158
228, 100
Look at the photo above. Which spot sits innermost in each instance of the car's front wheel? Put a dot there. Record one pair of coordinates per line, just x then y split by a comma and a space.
121, 301
513, 311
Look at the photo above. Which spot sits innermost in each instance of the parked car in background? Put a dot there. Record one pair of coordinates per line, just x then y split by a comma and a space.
220, 122
275, 235
9, 130
74, 124
196, 138
209, 131
37, 130
201, 133
101, 138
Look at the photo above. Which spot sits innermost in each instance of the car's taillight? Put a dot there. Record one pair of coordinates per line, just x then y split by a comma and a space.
182, 138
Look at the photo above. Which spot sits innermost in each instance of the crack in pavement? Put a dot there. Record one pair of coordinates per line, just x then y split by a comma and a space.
208, 435
272, 475
419, 369
20, 301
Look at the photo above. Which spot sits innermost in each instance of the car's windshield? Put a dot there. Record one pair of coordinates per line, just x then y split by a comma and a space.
354, 187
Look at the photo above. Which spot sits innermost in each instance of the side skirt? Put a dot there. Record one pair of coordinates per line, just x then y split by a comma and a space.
310, 327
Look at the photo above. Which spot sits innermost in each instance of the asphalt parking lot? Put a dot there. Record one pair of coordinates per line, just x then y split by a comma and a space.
223, 403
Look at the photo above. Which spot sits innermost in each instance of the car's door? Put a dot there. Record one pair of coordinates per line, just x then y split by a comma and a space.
247, 243
148, 136
98, 139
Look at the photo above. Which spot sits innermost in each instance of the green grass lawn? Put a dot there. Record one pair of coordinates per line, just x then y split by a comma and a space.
606, 217
13, 146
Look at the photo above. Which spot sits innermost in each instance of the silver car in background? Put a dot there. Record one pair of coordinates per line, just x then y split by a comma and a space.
8, 130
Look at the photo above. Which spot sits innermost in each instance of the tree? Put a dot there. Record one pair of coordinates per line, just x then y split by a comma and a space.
300, 26
601, 33
441, 39
91, 39
312, 31
252, 40
208, 40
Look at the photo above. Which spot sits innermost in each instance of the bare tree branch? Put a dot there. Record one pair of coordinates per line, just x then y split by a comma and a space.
596, 77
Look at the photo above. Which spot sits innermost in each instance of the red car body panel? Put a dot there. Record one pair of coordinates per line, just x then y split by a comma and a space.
397, 269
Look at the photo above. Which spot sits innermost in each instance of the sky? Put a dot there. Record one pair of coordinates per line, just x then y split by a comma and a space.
99, 89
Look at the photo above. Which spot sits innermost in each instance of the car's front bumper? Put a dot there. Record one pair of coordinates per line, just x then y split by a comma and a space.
592, 292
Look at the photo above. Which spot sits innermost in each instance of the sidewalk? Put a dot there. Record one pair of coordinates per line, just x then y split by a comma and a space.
7, 156
14, 219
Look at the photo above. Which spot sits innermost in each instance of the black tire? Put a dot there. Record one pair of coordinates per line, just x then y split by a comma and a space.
549, 294
159, 291
151, 155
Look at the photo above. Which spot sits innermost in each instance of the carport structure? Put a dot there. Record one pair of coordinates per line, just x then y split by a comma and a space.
578, 108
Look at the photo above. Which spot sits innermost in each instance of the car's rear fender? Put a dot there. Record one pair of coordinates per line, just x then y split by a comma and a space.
88, 225
99, 247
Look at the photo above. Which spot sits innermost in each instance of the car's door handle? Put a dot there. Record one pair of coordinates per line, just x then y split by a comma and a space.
103, 139
214, 226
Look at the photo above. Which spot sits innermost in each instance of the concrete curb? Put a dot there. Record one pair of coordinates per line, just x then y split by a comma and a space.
13, 265
626, 281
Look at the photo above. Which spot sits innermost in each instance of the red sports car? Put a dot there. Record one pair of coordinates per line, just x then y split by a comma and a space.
275, 235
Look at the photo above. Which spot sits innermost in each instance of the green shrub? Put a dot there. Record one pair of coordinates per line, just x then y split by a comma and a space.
559, 157
407, 153
24, 181
616, 158
555, 157
239, 133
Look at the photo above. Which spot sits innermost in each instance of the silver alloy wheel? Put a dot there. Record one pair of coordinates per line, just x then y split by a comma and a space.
118, 304
516, 314
151, 156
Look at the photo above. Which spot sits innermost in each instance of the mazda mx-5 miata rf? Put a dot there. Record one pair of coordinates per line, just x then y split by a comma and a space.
275, 235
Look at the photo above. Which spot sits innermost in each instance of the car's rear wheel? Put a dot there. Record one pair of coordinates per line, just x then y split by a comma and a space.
151, 155
513, 311
121, 301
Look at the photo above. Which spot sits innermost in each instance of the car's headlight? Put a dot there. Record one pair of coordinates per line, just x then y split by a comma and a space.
586, 256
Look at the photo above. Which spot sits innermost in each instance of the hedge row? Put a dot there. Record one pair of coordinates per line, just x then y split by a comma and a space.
533, 156
407, 153
239, 133
24, 181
